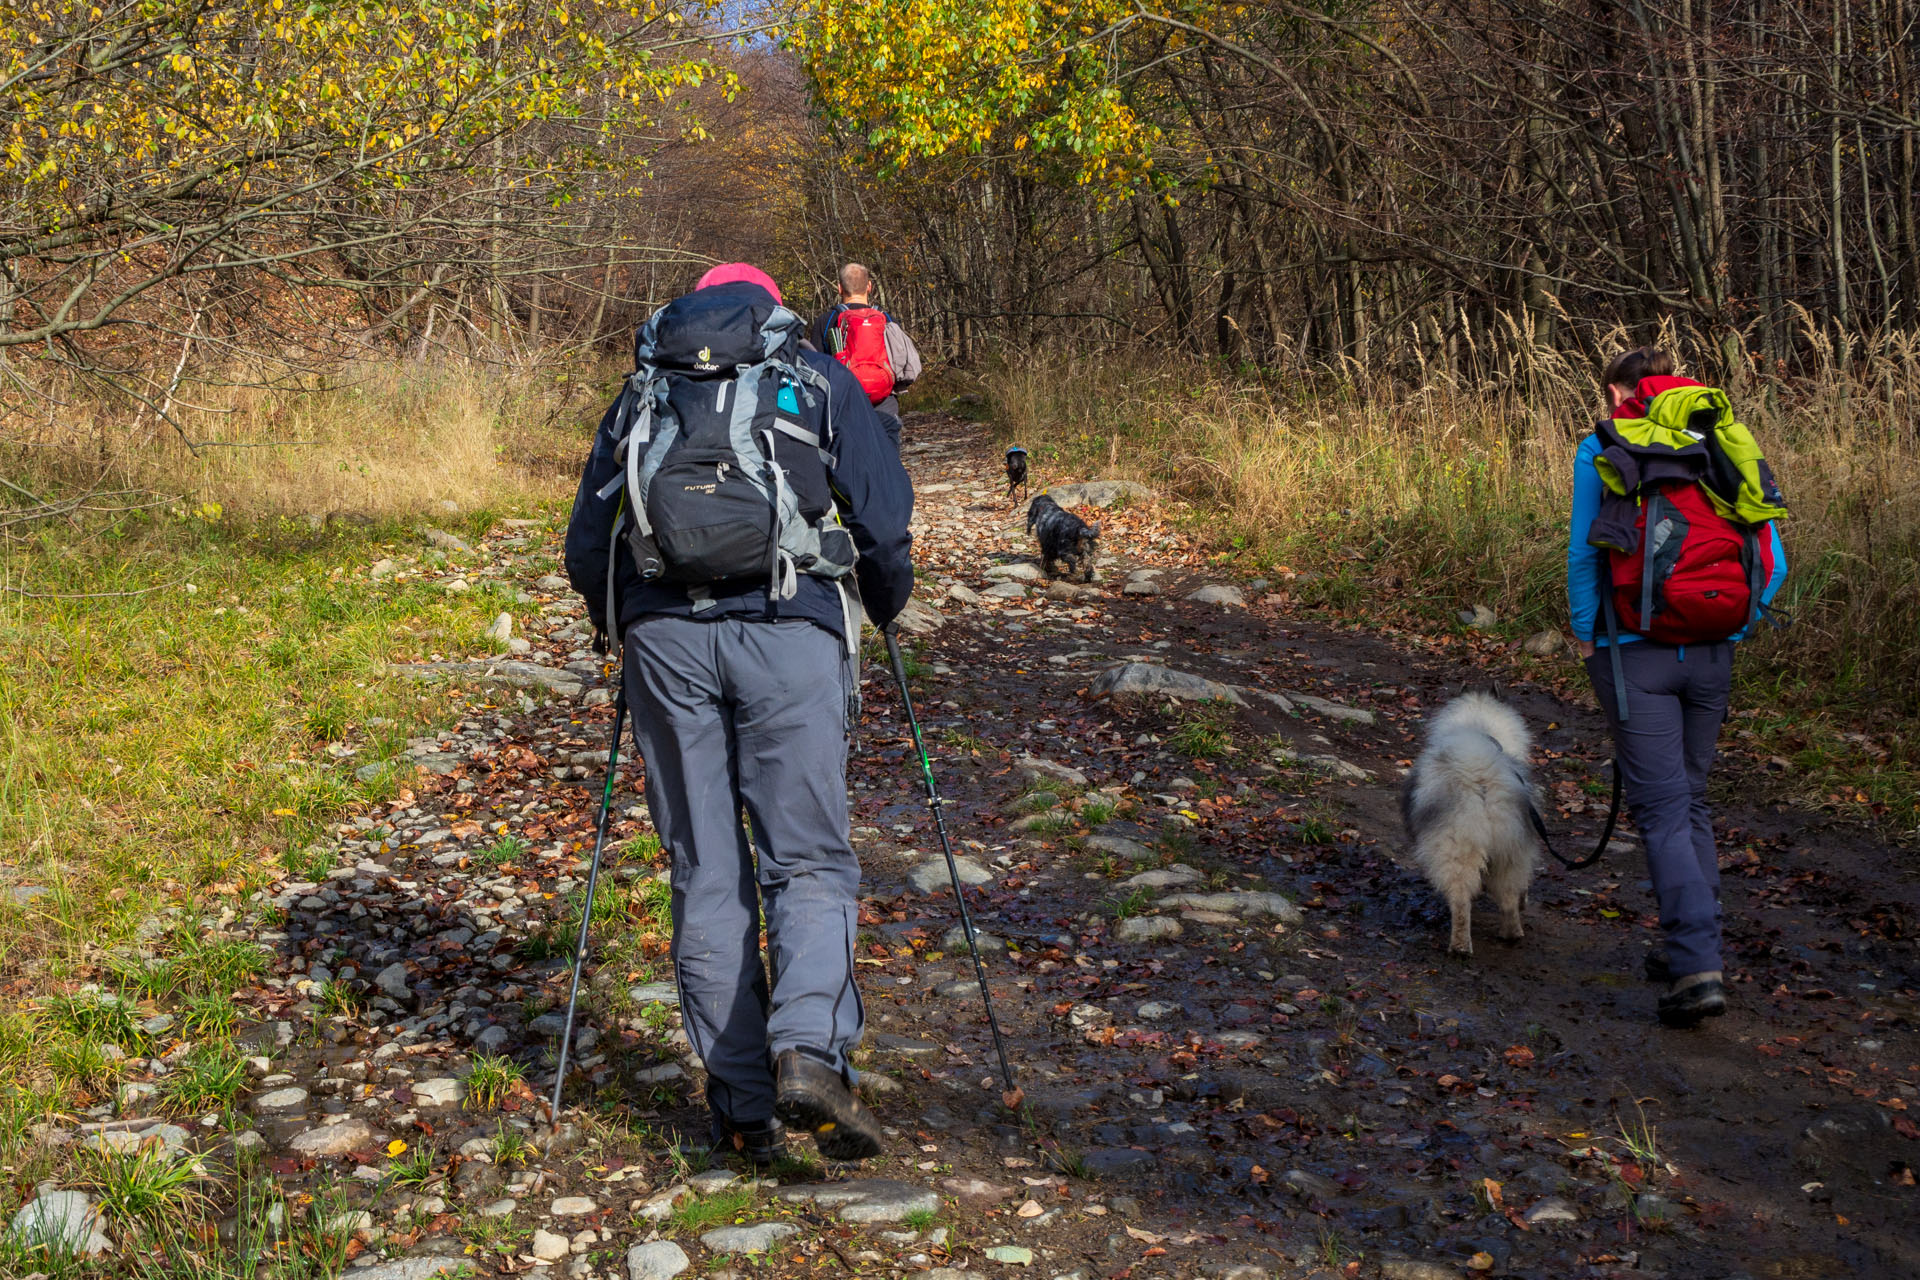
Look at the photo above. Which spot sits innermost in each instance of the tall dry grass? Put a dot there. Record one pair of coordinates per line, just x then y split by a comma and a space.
1449, 495
377, 440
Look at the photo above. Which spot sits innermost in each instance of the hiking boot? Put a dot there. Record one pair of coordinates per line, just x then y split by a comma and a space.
1657, 969
764, 1143
1692, 998
812, 1096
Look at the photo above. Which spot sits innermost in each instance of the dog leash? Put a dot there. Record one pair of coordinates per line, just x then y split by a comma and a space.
1606, 833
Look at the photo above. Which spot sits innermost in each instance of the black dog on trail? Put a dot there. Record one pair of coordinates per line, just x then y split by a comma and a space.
1016, 469
1064, 537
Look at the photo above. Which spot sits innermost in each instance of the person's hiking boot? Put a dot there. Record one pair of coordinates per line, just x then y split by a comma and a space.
1656, 968
763, 1143
1692, 998
811, 1096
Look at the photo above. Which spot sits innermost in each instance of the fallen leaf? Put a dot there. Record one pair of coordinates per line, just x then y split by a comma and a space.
1145, 1237
1482, 1261
395, 1148
1031, 1209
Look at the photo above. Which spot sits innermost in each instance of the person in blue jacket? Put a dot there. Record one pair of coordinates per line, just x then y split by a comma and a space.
1676, 700
742, 702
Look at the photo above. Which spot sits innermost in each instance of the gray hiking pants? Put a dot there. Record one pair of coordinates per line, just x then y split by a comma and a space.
1676, 701
731, 715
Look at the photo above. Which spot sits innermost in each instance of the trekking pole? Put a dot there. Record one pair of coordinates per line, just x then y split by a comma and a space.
953, 871
586, 914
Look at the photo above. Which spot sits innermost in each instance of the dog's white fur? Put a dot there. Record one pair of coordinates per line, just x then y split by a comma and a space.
1467, 807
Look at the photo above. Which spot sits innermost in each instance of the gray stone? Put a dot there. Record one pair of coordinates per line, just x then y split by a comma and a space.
424, 1268
1005, 591
572, 1207
1040, 769
498, 1208
1140, 587
1214, 593
930, 876
1310, 1186
1551, 1210
1247, 902
868, 1199
955, 939
1108, 1160
382, 568
502, 629
394, 981
968, 1188
1120, 847
448, 542
1154, 1010
1144, 680
441, 1091
964, 594
552, 582
1161, 877
758, 1238
945, 1273
654, 993
1332, 710
1395, 1268
661, 1260
1099, 493
1011, 1254
712, 1180
492, 1040
495, 673
21, 895
1061, 589
1478, 617
1018, 571
1544, 644
1331, 765
291, 1099
333, 1139
920, 618
63, 1221
1234, 1271
548, 1246
1146, 929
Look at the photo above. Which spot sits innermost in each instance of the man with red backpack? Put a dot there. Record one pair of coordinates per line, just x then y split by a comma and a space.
1674, 552
875, 349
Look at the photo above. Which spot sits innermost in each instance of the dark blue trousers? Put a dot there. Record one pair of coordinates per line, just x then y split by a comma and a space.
1676, 702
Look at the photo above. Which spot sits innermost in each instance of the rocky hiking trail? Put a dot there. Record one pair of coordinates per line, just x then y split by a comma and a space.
1243, 1050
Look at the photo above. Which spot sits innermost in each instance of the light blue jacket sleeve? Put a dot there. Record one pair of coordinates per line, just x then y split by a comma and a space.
1585, 564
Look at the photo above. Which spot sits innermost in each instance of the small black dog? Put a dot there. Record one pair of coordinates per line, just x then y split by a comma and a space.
1064, 537
1016, 470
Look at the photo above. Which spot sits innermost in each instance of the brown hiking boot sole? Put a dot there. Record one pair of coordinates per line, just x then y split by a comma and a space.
818, 1102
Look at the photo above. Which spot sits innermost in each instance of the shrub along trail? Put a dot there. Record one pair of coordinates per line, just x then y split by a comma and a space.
1243, 1050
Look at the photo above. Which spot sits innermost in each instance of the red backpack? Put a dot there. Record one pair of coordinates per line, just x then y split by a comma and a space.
1684, 517
860, 342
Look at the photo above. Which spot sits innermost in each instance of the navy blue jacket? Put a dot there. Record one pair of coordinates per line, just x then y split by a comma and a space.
869, 486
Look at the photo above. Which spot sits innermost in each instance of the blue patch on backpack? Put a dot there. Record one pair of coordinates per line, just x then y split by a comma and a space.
788, 401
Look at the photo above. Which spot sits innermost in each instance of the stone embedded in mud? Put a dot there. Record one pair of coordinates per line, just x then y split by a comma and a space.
757, 1238
1146, 929
1145, 680
1061, 589
62, 1221
1215, 593
333, 1139
291, 1099
1120, 847
1159, 877
1109, 1160
442, 1091
1011, 1254
548, 1247
920, 618
1140, 587
425, 1268
660, 1260
392, 980
495, 673
1332, 710
1041, 769
1479, 617
1154, 1010
964, 594
1544, 644
1249, 902
1397, 1268
955, 939
867, 1199
930, 876
1005, 591
1018, 571
1310, 1186
1551, 1210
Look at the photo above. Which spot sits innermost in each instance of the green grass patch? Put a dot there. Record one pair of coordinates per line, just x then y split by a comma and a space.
703, 1213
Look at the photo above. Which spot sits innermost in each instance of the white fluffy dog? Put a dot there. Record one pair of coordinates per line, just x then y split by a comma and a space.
1468, 806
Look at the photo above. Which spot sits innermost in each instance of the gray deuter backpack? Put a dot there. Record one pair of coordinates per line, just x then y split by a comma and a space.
723, 479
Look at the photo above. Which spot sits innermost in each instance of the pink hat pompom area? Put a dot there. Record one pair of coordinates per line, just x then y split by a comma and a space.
740, 273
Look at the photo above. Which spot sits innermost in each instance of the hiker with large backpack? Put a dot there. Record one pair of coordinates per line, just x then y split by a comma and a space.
870, 343
733, 489
1674, 554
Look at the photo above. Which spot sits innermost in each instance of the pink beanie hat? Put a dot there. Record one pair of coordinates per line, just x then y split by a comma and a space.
741, 273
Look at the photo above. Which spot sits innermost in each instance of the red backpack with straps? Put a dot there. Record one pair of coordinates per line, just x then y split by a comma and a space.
860, 342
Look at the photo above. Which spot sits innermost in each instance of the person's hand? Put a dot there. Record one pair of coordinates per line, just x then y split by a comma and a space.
1585, 647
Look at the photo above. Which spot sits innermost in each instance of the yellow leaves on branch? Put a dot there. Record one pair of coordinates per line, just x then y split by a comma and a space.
937, 77
152, 90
